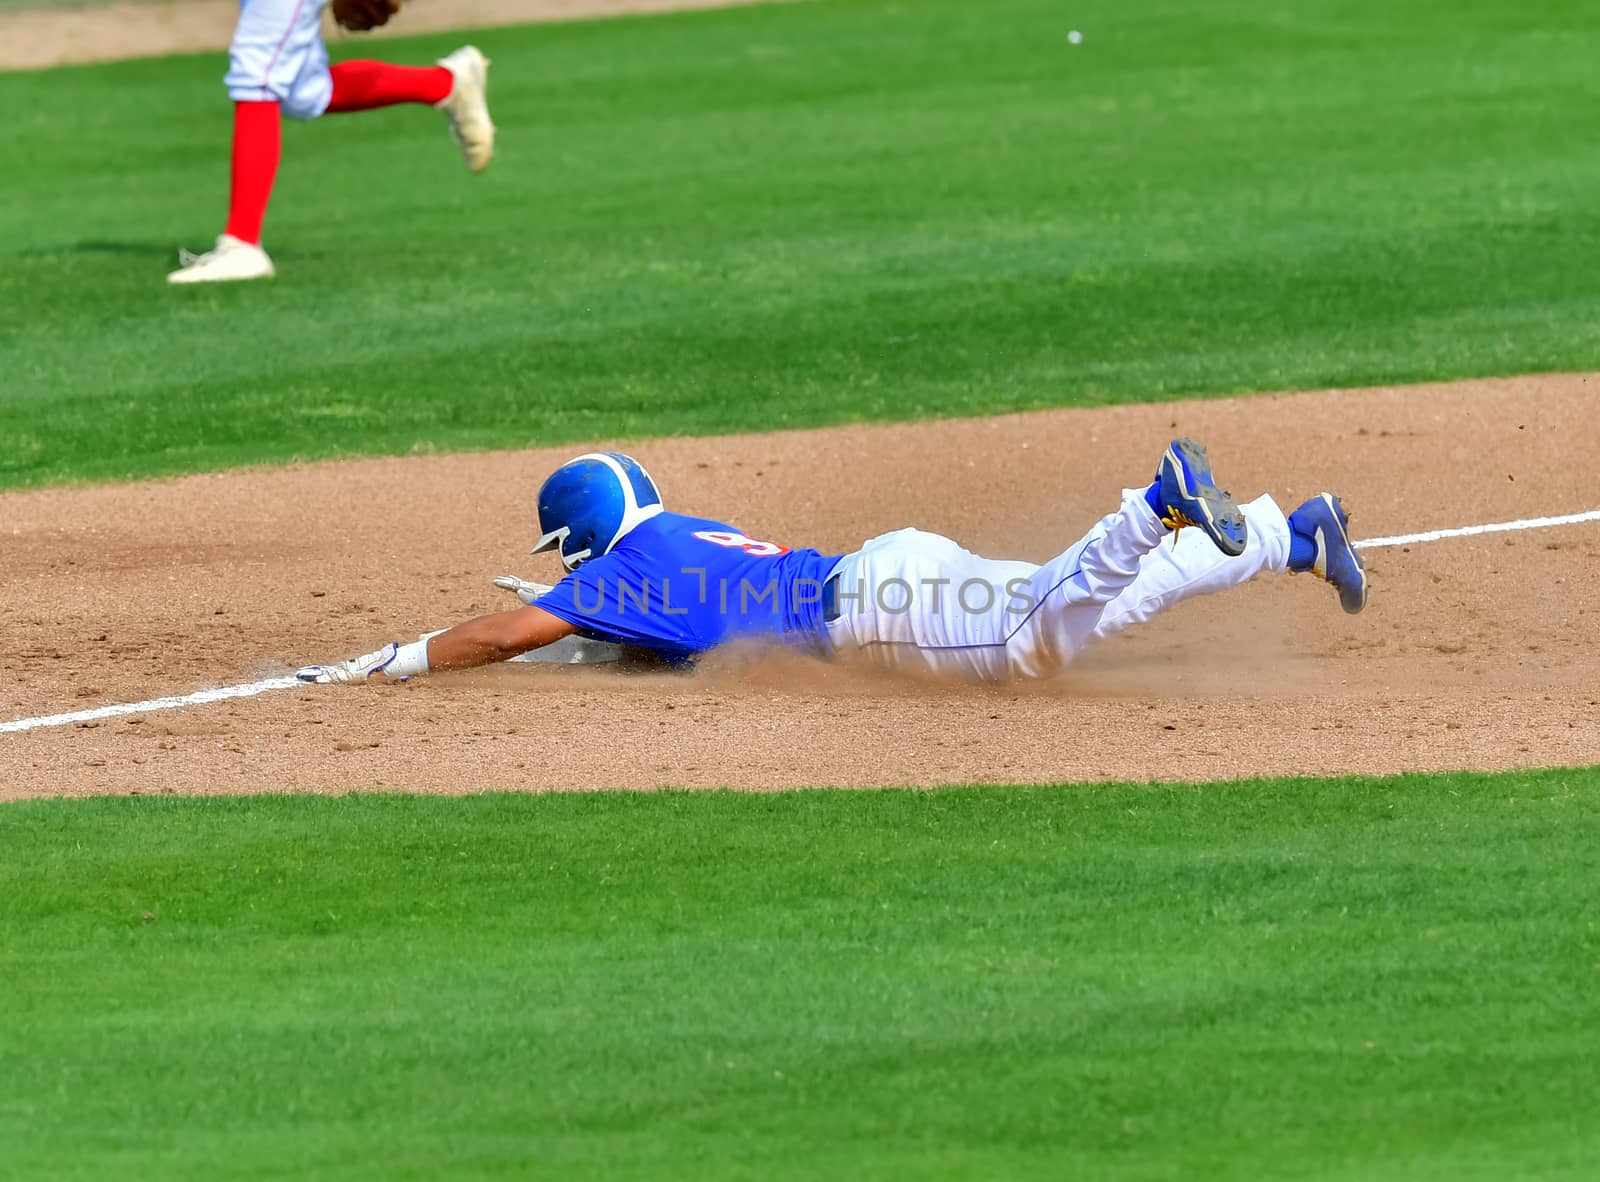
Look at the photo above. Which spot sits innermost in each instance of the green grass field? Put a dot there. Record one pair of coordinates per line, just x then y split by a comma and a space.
768, 217
1300, 979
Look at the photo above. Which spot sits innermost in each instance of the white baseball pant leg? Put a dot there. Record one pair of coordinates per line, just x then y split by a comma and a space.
918, 600
278, 56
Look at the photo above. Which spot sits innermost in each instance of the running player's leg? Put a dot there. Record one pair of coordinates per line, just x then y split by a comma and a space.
257, 149
457, 86
276, 64
365, 85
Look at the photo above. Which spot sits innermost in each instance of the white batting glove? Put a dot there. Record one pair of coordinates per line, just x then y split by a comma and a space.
525, 591
355, 669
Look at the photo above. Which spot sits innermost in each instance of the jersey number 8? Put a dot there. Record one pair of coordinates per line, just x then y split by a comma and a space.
733, 541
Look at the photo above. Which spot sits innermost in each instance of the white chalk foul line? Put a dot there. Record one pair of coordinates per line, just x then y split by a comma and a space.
1467, 531
250, 689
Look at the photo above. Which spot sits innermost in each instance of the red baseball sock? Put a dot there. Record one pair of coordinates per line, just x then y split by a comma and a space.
362, 85
257, 145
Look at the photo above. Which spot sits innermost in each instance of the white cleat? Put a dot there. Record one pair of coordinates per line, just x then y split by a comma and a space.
467, 106
232, 260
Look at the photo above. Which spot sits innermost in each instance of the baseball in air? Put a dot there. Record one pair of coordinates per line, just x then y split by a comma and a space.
1075, 38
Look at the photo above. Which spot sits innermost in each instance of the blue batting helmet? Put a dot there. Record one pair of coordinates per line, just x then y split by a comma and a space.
587, 505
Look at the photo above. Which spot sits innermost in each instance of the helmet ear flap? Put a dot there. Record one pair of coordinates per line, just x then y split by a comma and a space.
557, 539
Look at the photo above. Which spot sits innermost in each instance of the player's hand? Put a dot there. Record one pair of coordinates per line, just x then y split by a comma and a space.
355, 669
527, 592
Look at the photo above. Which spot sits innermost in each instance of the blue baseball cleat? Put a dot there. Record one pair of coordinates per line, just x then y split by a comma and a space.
1188, 497
1323, 523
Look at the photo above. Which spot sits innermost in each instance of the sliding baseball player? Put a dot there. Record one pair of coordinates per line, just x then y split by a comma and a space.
675, 586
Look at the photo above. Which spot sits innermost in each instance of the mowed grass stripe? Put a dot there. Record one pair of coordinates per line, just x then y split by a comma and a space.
801, 214
1348, 978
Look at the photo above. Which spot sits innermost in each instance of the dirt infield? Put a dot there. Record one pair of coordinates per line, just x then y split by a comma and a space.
1475, 652
37, 38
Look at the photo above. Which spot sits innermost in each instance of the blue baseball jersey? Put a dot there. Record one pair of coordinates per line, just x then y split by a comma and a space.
678, 586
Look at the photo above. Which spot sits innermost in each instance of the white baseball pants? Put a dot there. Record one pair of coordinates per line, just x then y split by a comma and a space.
278, 56
918, 600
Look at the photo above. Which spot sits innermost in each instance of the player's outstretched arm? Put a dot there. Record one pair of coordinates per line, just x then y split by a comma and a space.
499, 637
481, 641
